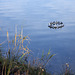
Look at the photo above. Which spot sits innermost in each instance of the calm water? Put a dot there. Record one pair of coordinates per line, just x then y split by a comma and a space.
34, 16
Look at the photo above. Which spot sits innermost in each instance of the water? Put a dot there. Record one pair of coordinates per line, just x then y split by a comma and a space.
34, 16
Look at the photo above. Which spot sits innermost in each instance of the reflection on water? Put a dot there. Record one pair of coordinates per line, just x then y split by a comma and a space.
34, 16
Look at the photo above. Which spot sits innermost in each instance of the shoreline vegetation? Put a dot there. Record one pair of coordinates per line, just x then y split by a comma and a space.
14, 58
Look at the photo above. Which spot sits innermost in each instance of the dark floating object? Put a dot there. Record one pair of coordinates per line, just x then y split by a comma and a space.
56, 24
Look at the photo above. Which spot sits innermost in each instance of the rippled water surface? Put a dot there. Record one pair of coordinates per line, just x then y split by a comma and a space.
34, 16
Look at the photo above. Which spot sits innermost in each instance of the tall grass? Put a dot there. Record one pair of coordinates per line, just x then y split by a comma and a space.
15, 59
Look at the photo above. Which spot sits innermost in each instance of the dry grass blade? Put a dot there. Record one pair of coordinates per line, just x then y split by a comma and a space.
3, 42
7, 36
15, 39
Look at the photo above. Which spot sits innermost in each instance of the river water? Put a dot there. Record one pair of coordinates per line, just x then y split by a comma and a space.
34, 16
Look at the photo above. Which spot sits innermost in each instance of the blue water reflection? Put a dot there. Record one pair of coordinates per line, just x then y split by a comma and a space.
34, 16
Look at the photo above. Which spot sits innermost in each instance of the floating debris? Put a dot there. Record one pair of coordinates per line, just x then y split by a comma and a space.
56, 24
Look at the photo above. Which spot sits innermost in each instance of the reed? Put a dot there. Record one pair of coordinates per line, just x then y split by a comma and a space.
15, 59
